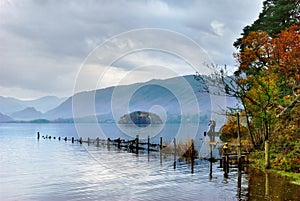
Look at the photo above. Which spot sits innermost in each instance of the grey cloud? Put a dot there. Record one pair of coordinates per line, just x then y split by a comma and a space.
58, 35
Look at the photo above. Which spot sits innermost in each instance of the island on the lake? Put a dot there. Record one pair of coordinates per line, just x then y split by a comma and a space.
140, 118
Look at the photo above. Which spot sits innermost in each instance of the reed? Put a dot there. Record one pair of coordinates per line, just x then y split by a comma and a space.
184, 149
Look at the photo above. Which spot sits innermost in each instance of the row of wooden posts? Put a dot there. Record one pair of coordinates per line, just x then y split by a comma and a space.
136, 145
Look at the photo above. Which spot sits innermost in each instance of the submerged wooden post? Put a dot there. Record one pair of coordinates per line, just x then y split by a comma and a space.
108, 142
160, 153
239, 143
239, 183
267, 156
72, 139
175, 153
97, 142
160, 143
38, 135
119, 143
137, 144
221, 162
80, 140
224, 162
148, 144
193, 155
131, 146
210, 152
59, 138
226, 165
88, 141
65, 139
210, 169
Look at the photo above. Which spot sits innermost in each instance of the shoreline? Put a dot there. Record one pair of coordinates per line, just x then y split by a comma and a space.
293, 176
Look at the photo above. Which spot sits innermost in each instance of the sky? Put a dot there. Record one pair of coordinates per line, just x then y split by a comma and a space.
60, 47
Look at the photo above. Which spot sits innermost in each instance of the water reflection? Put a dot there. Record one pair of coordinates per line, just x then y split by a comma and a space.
59, 170
270, 186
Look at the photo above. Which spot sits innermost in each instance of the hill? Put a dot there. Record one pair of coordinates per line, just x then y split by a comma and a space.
140, 118
29, 113
174, 96
5, 118
11, 105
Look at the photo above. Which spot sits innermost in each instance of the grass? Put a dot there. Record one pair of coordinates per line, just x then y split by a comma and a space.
294, 176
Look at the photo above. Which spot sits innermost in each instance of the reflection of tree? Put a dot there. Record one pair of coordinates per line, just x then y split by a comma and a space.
270, 186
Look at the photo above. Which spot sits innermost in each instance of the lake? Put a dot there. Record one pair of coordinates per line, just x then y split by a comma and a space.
44, 169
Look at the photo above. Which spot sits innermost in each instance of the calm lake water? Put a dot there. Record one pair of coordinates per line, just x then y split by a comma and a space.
44, 169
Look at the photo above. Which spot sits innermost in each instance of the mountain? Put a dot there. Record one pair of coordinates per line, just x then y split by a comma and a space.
5, 118
173, 100
45, 103
174, 96
12, 105
29, 113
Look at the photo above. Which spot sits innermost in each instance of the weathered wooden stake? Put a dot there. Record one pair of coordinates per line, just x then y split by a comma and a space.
193, 156
65, 139
210, 152
80, 140
226, 165
175, 153
88, 141
210, 169
72, 139
148, 144
137, 144
119, 143
221, 162
38, 135
97, 142
239, 143
160, 143
267, 156
58, 138
131, 146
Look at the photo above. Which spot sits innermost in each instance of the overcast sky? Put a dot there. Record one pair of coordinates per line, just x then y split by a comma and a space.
46, 46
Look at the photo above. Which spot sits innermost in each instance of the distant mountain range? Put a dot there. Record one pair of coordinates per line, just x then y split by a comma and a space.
170, 94
9, 106
172, 97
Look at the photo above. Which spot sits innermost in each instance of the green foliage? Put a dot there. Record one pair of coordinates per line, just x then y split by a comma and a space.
275, 16
229, 131
140, 118
268, 82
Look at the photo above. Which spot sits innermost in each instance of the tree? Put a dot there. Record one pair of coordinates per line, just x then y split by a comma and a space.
276, 15
268, 77
230, 130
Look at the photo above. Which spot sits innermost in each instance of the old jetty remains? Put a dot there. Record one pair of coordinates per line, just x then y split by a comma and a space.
227, 160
